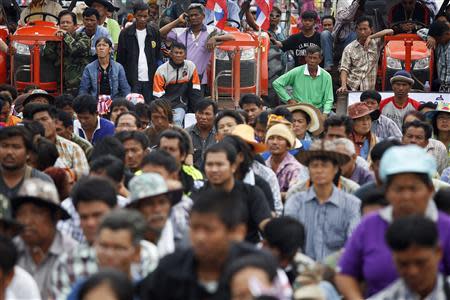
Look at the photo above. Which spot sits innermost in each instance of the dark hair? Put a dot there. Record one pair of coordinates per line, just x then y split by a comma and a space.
307, 117
227, 207
309, 14
12, 90
241, 147
46, 153
137, 136
329, 17
138, 6
263, 118
142, 110
121, 102
441, 198
419, 115
108, 145
50, 109
337, 121
409, 231
260, 260
438, 29
323, 158
373, 197
126, 219
94, 189
104, 39
65, 118
164, 106
85, 104
421, 176
370, 94
66, 12
34, 127
363, 19
228, 113
63, 101
20, 131
313, 49
111, 165
250, 99
427, 129
8, 255
223, 147
178, 45
89, 12
283, 112
434, 122
131, 113
117, 281
277, 9
204, 104
161, 158
380, 148
428, 104
173, 134
279, 233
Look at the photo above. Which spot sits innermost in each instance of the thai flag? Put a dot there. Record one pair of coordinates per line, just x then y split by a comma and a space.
219, 7
263, 9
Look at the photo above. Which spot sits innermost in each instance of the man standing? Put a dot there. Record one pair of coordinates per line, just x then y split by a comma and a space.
92, 29
310, 83
440, 31
138, 52
111, 25
396, 107
360, 58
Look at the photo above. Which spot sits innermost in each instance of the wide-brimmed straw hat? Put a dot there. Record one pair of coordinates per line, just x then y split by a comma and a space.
322, 148
247, 133
360, 109
315, 115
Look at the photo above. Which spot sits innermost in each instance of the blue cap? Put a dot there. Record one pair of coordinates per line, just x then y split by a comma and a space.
407, 159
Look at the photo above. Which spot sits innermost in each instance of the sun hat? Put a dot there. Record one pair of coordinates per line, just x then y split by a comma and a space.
407, 159
41, 192
39, 93
282, 130
442, 106
247, 133
360, 109
402, 76
150, 185
322, 148
6, 218
315, 125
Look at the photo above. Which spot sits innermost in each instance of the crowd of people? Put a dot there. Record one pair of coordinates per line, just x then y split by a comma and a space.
107, 191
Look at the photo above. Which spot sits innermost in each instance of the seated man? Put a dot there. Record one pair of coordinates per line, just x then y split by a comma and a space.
409, 10
177, 81
37, 6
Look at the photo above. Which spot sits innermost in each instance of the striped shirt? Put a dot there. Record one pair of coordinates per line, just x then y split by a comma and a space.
385, 128
328, 225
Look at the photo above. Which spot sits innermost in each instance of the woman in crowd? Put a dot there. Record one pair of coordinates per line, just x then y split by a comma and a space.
440, 119
306, 123
226, 121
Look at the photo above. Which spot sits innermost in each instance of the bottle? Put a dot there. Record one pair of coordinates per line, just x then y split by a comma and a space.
427, 87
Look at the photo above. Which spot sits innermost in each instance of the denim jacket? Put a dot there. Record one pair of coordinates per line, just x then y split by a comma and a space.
117, 80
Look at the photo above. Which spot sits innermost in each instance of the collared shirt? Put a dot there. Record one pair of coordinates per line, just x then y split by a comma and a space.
42, 272
200, 144
99, 32
439, 152
197, 52
345, 184
385, 128
361, 65
71, 156
289, 171
331, 222
104, 128
271, 178
399, 290
49, 6
81, 262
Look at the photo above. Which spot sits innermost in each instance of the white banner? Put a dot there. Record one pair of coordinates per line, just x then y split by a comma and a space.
353, 97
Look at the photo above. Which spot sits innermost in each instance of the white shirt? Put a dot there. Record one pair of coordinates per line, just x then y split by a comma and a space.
142, 62
23, 286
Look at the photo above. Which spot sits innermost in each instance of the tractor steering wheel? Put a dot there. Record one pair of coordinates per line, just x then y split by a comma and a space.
397, 26
43, 14
229, 20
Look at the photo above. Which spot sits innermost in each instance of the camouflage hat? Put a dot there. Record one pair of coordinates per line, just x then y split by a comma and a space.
38, 191
150, 185
6, 218
39, 93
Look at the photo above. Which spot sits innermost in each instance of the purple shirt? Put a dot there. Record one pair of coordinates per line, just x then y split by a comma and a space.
289, 171
367, 256
362, 176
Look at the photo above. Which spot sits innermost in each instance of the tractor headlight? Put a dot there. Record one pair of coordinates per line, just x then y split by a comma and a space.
221, 54
422, 64
21, 49
393, 63
248, 54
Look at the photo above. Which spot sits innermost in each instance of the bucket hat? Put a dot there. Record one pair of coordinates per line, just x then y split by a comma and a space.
321, 148
247, 133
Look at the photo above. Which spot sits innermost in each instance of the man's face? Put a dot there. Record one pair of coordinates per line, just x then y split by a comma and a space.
90, 23
408, 5
116, 111
102, 10
37, 222
218, 168
115, 249
47, 121
277, 145
226, 125
103, 49
415, 136
156, 211
134, 153
195, 17
313, 60
142, 17
363, 30
401, 89
252, 111
372, 103
172, 146
308, 24
13, 153
205, 118
362, 125
327, 24
418, 267
299, 124
91, 214
335, 132
275, 18
347, 169
66, 23
65, 132
126, 123
88, 121
178, 55
408, 195
322, 172
160, 120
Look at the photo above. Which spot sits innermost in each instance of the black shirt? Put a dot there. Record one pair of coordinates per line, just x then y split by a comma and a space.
104, 86
299, 43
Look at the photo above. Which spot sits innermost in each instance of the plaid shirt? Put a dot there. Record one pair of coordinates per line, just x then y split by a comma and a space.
385, 128
361, 65
439, 152
71, 156
289, 171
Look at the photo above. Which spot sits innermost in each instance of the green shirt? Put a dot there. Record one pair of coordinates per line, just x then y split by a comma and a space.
114, 29
317, 91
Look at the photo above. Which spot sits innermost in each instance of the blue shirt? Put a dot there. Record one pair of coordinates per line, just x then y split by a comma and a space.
100, 32
104, 128
327, 225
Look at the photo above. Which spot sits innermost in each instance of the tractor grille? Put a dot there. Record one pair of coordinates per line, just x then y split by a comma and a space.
248, 73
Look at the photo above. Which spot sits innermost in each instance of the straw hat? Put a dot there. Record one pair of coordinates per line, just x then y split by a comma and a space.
315, 115
247, 133
360, 109
321, 148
